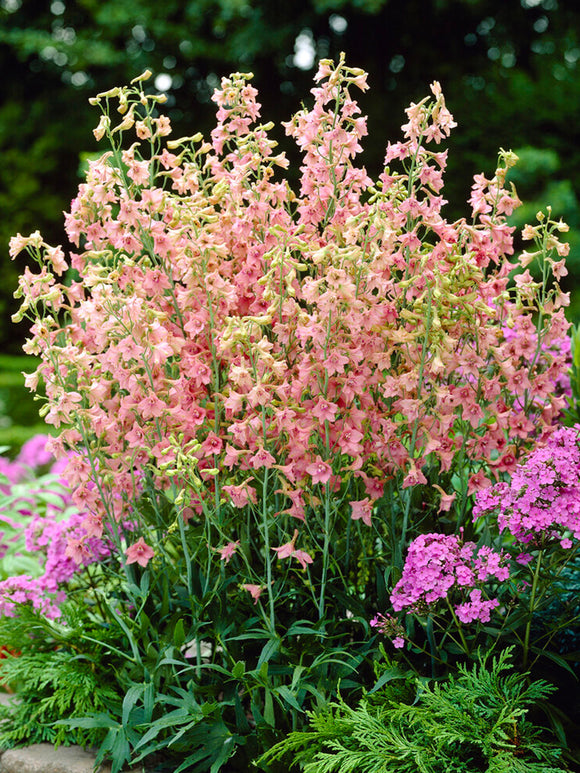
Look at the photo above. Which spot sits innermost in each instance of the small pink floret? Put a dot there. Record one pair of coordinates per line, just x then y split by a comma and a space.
139, 553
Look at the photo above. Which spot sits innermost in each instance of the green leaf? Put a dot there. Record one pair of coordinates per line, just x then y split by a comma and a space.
179, 634
302, 627
269, 708
556, 659
173, 718
287, 696
270, 649
96, 720
387, 676
239, 669
130, 700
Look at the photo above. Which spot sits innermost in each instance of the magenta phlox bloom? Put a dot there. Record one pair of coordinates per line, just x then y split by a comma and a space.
24, 589
476, 609
11, 470
437, 564
542, 500
34, 453
52, 540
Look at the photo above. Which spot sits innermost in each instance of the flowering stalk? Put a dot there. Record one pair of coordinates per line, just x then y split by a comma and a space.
333, 343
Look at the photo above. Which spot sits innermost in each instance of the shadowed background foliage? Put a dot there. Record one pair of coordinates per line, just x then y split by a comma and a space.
510, 72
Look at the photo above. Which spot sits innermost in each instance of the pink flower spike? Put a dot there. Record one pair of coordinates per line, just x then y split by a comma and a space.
139, 553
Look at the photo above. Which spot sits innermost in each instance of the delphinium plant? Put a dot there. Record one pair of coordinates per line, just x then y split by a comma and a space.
265, 395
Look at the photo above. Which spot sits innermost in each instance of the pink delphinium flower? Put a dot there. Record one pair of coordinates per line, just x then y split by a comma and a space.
362, 509
289, 550
228, 551
319, 471
254, 590
139, 552
228, 344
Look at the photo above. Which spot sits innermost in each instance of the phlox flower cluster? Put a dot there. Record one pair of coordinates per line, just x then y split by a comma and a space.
442, 567
391, 627
32, 455
541, 502
305, 345
45, 524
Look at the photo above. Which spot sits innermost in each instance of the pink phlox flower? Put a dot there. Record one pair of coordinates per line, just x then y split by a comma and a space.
34, 453
524, 558
476, 609
543, 496
437, 563
390, 627
139, 552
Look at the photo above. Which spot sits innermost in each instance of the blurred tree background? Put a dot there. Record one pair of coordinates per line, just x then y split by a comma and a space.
510, 71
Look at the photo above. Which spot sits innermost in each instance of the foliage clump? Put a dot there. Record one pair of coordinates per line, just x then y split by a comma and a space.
53, 678
474, 721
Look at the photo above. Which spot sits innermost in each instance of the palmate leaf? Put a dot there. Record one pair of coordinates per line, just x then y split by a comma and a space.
215, 746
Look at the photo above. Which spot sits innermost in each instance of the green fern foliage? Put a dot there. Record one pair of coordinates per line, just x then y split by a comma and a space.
53, 685
474, 721
54, 677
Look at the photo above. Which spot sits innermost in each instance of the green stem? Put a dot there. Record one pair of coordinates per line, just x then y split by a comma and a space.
326, 552
532, 607
268, 557
459, 628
